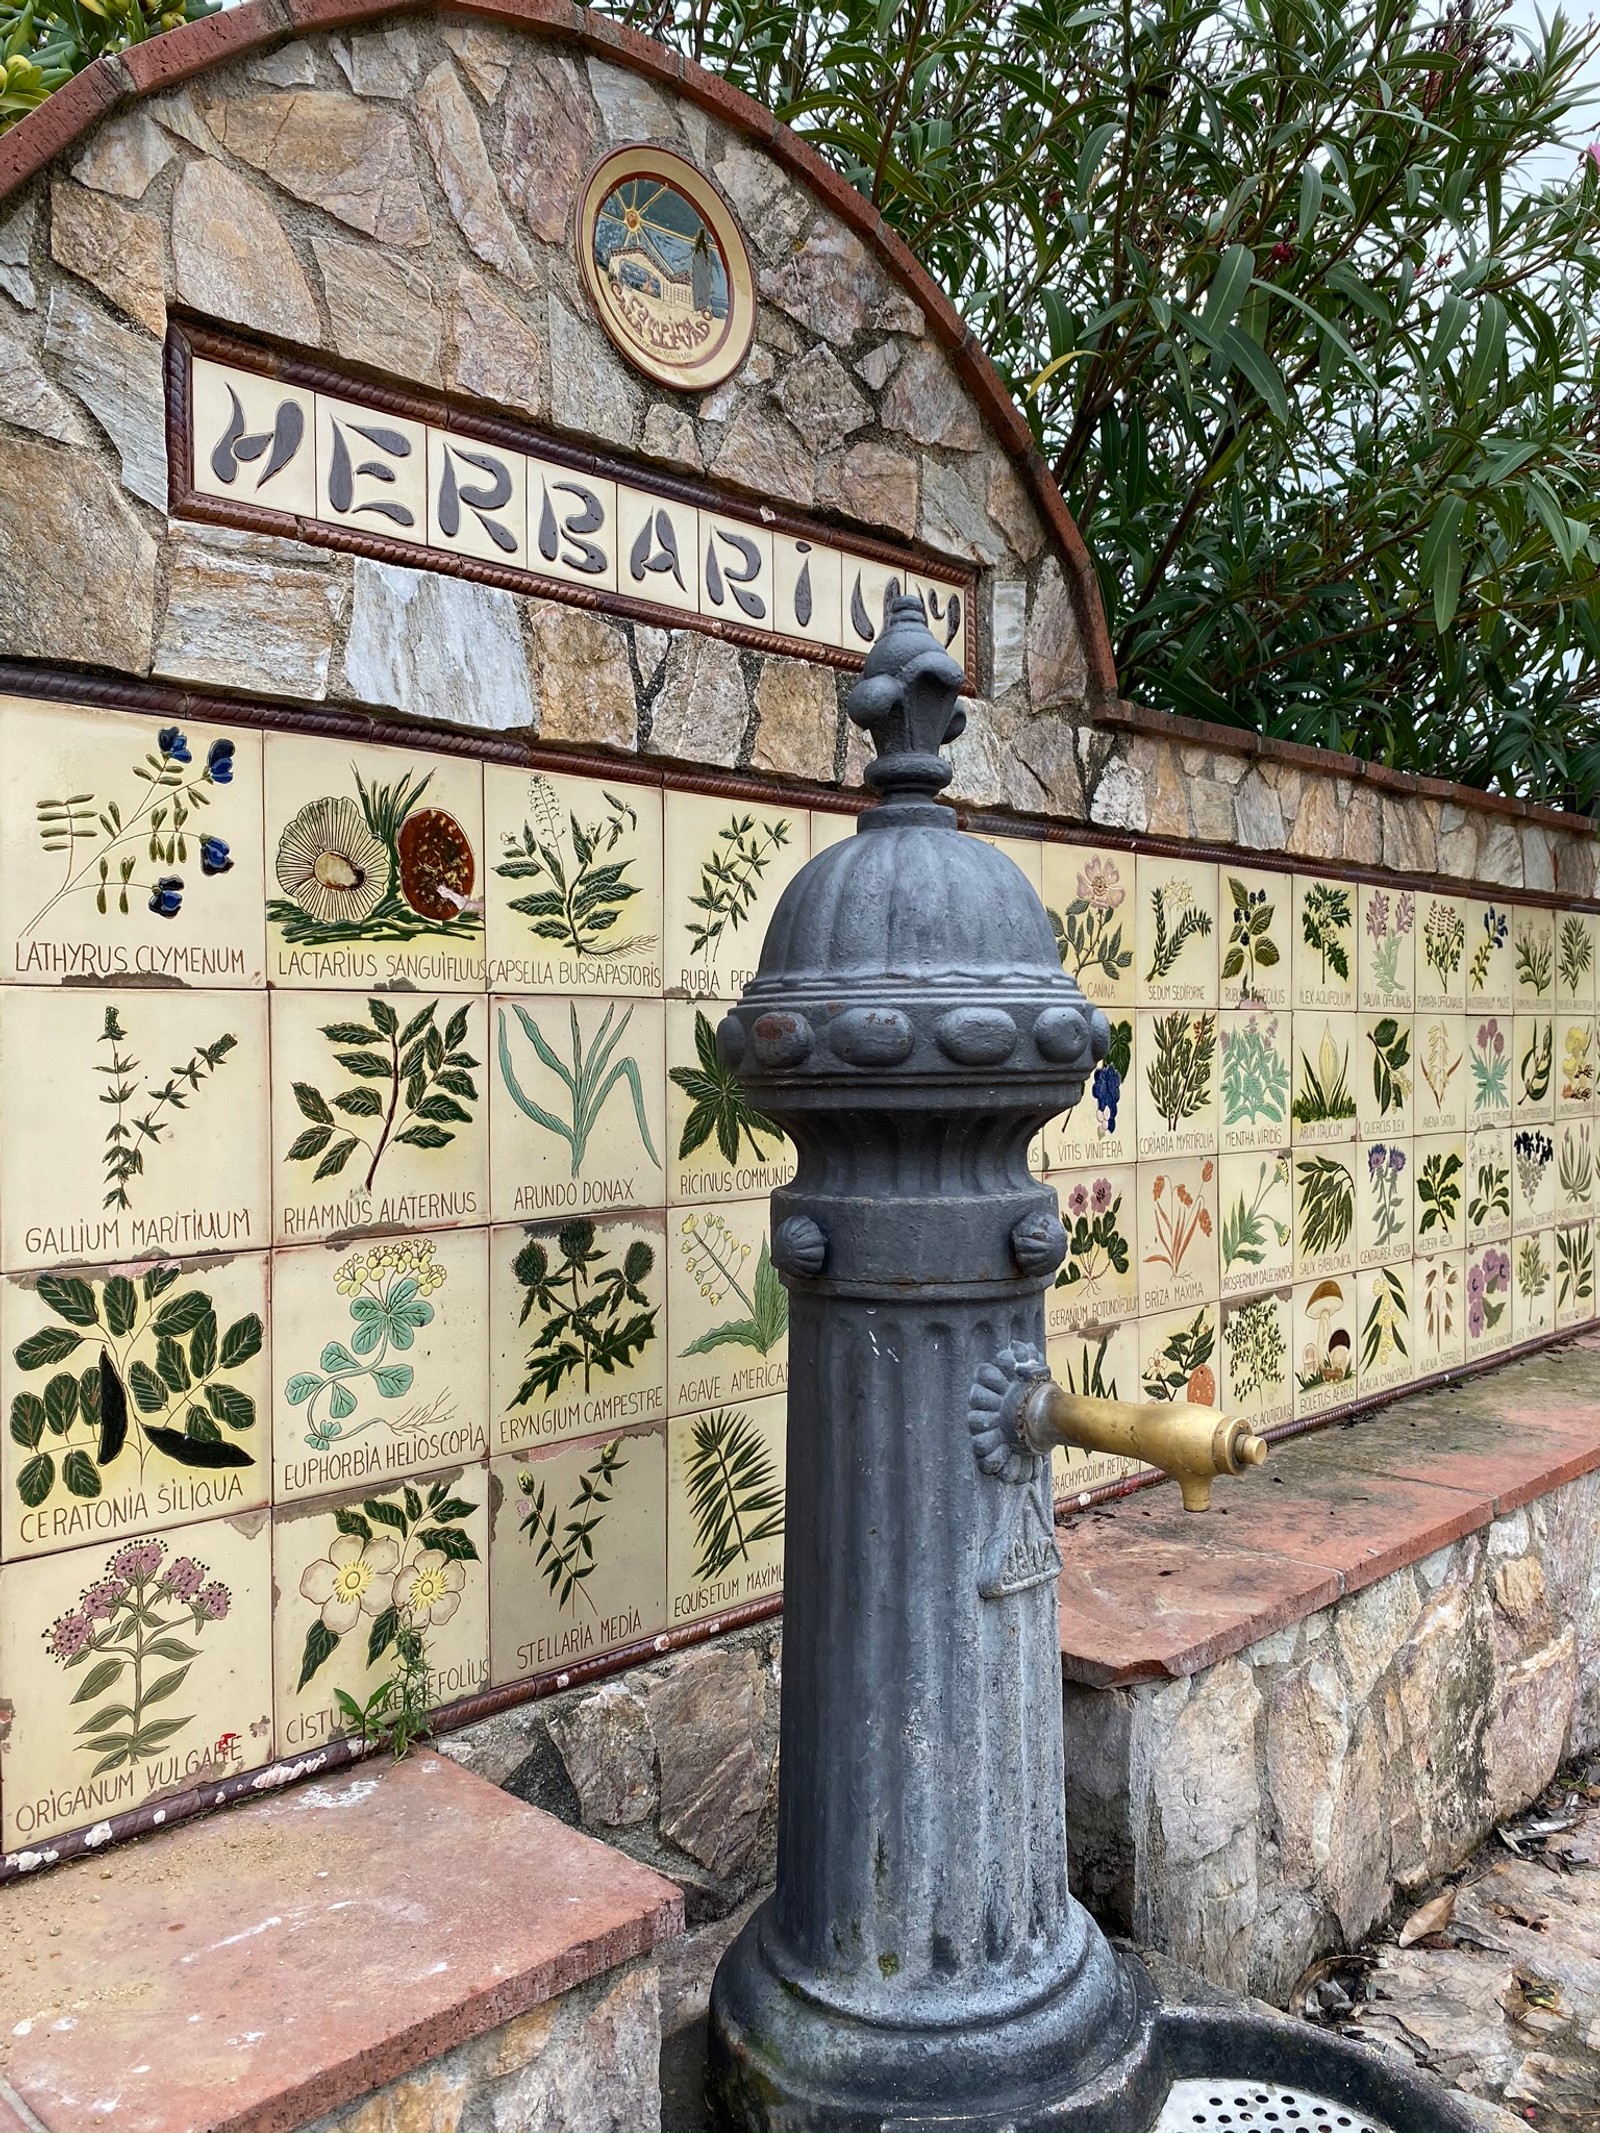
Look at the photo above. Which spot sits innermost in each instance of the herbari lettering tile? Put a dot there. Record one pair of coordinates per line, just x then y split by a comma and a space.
1574, 1262
1100, 1279
1257, 1373
1441, 953
727, 864
129, 848
1439, 1312
1440, 1177
1254, 1078
1324, 943
372, 471
1100, 1359
1177, 1234
1487, 1195
380, 1119
1255, 1207
1575, 959
863, 593
477, 499
1327, 1078
725, 1505
1175, 951
1254, 918
808, 590
946, 607
1574, 1064
1178, 1356
375, 866
253, 441
1533, 1285
1440, 1049
577, 1106
736, 574
1533, 1073
1386, 948
387, 1587
1489, 1070
572, 880
1490, 971
1533, 1178
380, 1359
572, 526
577, 1552
1488, 1286
1387, 1360
1099, 1129
1533, 959
1325, 1210
1575, 1193
579, 1328
1384, 1076
1177, 1092
136, 1124
132, 1670
658, 549
718, 1146
1325, 1328
135, 1398
1089, 894
727, 1310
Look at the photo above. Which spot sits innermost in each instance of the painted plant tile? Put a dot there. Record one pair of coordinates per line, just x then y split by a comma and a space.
1089, 895
1325, 1210
1177, 1098
1099, 1279
1386, 948
1255, 911
1441, 954
380, 1605
577, 1552
134, 849
1574, 1268
725, 1503
1489, 1069
1388, 1340
1439, 1097
1439, 1312
1575, 1056
1175, 951
1326, 1330
1533, 1077
1257, 1369
1488, 1187
252, 438
380, 1119
477, 499
1575, 959
1533, 1285
1255, 1078
1177, 1235
579, 1328
1102, 1360
136, 1124
718, 1146
727, 1311
380, 1360
1255, 1238
1384, 1203
1324, 943
134, 1398
1491, 979
133, 1670
1178, 1356
1574, 1169
572, 883
1099, 1129
1533, 1178
577, 1105
1533, 959
1488, 1300
1328, 1073
1386, 1077
375, 866
1441, 1190
726, 864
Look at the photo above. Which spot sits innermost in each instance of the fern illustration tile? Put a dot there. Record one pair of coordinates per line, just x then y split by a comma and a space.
379, 1114
1533, 1071
1440, 1049
1490, 1067
354, 1574
1441, 1183
1387, 1360
1177, 1235
129, 849
725, 1507
1175, 951
1100, 1278
1574, 1268
135, 1400
1386, 924
1533, 1178
1490, 972
132, 1670
579, 1331
1533, 1285
1326, 1326
1100, 1128
1103, 1360
577, 1552
1089, 894
727, 862
1254, 1078
1575, 959
577, 1105
717, 1146
1255, 1232
1177, 1087
136, 1124
1324, 943
1178, 1356
380, 1360
1574, 1065
1257, 1373
1384, 1077
1441, 954
727, 1310
1383, 1203
1325, 1210
1439, 1312
374, 866
1329, 1061
1575, 1159
1533, 959
572, 883
1488, 1186
1255, 911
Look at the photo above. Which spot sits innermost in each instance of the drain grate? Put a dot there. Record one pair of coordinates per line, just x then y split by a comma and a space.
1243, 2107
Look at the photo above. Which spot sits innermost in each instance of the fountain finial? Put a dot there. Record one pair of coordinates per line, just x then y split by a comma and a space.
906, 700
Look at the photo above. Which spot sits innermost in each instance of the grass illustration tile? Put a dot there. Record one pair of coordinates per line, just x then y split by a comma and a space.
577, 1108
1177, 1085
1101, 1359
1533, 1178
572, 880
1257, 1375
1574, 1267
1255, 1233
727, 1310
379, 1118
129, 848
136, 1124
1490, 971
380, 1606
1255, 912
1325, 1210
1329, 1065
134, 1400
1178, 1356
1487, 1194
1439, 1312
1177, 1234
1440, 1048
1533, 1284
725, 1504
375, 866
1324, 943
1488, 1288
577, 1552
1175, 948
718, 1146
579, 1331
727, 862
1100, 1129
1386, 949
1575, 1161
380, 1360
1254, 1078
133, 1670
1099, 1279
1574, 1065
1385, 1078
1575, 959
1533, 959
1441, 953
1490, 1062
1326, 1326
1089, 894
1388, 1358
1442, 1190
1533, 1071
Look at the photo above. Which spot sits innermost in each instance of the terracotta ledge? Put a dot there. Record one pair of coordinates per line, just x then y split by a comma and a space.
1149, 1590
253, 1971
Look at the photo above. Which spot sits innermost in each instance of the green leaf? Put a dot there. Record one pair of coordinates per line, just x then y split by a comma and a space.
1228, 286
99, 1678
27, 1420
121, 1301
150, 1395
36, 1480
231, 1406
183, 1314
81, 1475
51, 1344
319, 1647
61, 1403
312, 1103
69, 1298
450, 1541
1439, 563
241, 1341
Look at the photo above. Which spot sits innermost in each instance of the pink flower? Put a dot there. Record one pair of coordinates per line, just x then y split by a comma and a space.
139, 1559
184, 1577
213, 1602
1378, 916
1099, 886
68, 1635
1078, 1200
102, 1600
1593, 153
1404, 912
1101, 1196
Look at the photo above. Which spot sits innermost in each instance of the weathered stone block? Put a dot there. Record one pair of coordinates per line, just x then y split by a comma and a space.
77, 569
762, 453
250, 611
466, 176
549, 141
703, 708
590, 392
817, 396
1118, 799
608, 1746
438, 647
924, 400
16, 247
484, 52
379, 62
117, 248
382, 310
124, 156
708, 1713
118, 377
797, 711
1056, 663
30, 401
343, 155
872, 483
583, 675
493, 353
231, 258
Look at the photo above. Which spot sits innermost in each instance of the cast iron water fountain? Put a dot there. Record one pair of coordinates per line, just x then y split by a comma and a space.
922, 1962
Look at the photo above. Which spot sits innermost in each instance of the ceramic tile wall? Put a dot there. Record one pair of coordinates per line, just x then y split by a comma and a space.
384, 1249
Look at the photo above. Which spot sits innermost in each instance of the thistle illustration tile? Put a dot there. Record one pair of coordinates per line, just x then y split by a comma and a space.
1439, 1097
1175, 951
379, 1118
1439, 1312
1177, 1234
1257, 1374
134, 1400
1575, 1195
1325, 1210
1178, 1356
1255, 1235
1326, 1327
1386, 948
1574, 1272
1099, 1280
129, 848
1254, 1078
1533, 1076
136, 1123
1574, 1065
1490, 972
1329, 1063
1575, 959
132, 1670
1099, 1129
1384, 1077
1489, 1070
1089, 894
1324, 943
1441, 954
375, 1591
1533, 1178
1442, 1187
572, 884
577, 1552
1488, 1187
1384, 1194
725, 1506
1488, 1300
1388, 1339
1533, 959
477, 500
718, 1146
375, 864
1255, 911
579, 1330
577, 1105
380, 1360
1533, 1285
1177, 1086
727, 863
727, 1311
1101, 1359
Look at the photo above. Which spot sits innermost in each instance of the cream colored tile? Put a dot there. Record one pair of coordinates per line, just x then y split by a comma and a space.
1175, 954
1254, 1079
1440, 1051
1442, 1187
1385, 1077
1100, 1129
1575, 959
1386, 920
1325, 1211
1177, 1097
946, 604
1533, 1285
1490, 976
477, 500
1328, 1076
727, 864
1533, 959
136, 1124
1026, 854
1488, 1300
1575, 1194
1441, 954
572, 526
1488, 1187
577, 1105
1177, 1235
808, 580
1388, 1339
1439, 1312
1254, 940
1533, 1076
1102, 1360
1326, 1329
737, 584
725, 1504
577, 1552
375, 866
128, 849
1574, 1272
1089, 894
378, 1115
718, 1146
1100, 1280
253, 439
1489, 1070
1324, 943
829, 827
135, 1399
1533, 1178
572, 882
863, 591
1257, 1378
1255, 1231
372, 470
579, 1328
1574, 1065
155, 1673
727, 1311
1178, 1356
658, 549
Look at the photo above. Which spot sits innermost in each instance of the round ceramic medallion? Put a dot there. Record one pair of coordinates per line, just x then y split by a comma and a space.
666, 267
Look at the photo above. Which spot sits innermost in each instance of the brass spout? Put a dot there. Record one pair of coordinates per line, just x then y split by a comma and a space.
1191, 1444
